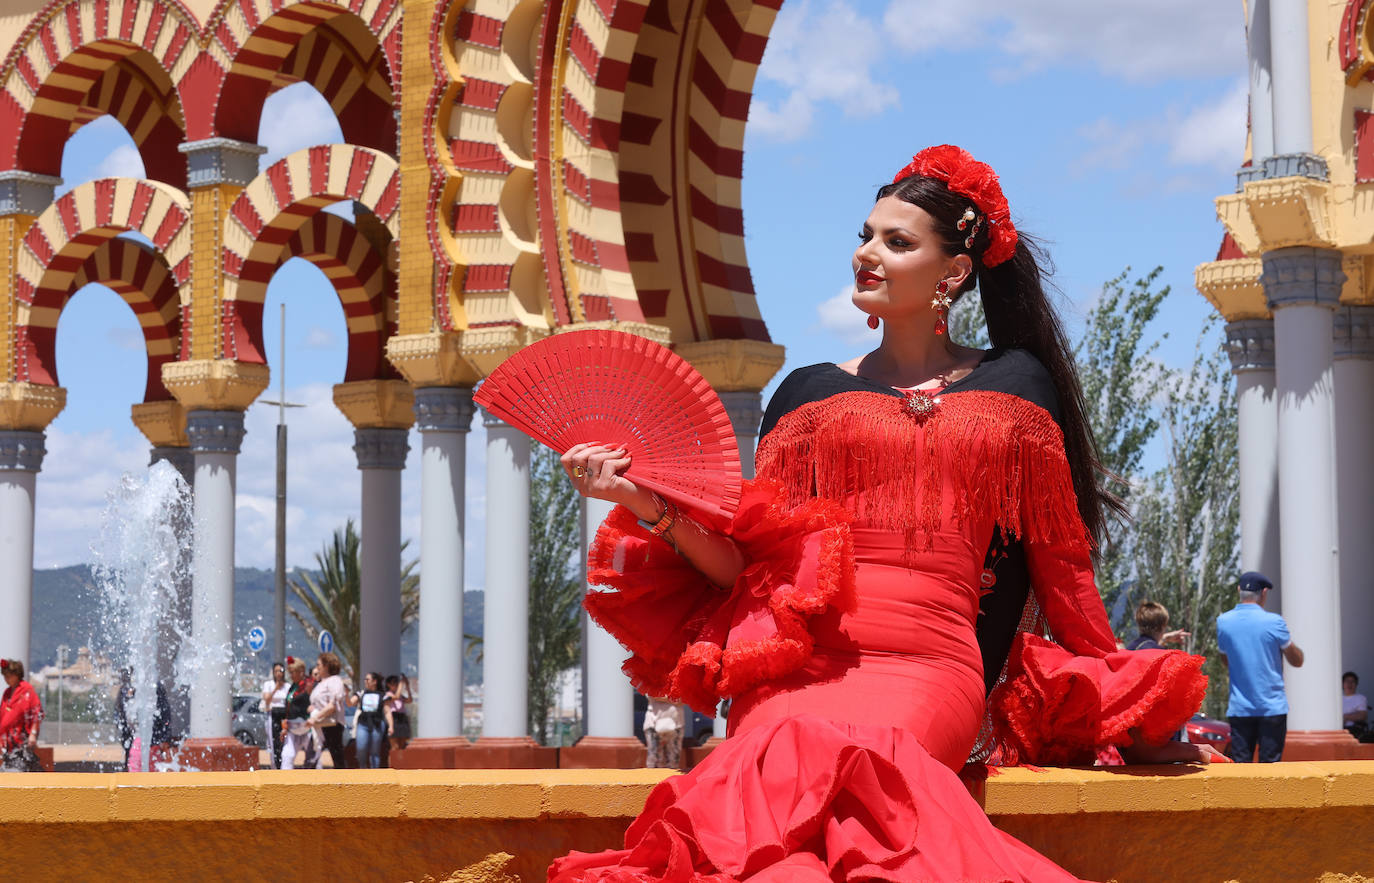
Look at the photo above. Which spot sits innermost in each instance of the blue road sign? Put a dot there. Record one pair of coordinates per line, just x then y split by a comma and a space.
257, 638
326, 642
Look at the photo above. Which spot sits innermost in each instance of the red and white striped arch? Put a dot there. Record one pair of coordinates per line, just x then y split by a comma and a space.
350, 52
79, 59
357, 270
54, 256
273, 211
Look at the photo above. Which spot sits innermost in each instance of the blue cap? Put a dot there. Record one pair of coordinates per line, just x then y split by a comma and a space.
1254, 581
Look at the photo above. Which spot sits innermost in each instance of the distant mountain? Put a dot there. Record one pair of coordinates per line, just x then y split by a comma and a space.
66, 610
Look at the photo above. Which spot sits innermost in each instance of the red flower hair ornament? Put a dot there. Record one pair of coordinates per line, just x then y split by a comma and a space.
966, 176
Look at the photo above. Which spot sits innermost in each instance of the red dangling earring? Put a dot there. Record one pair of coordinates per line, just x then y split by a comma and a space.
941, 304
873, 322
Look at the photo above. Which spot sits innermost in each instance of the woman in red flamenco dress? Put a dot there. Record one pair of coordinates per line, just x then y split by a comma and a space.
906, 587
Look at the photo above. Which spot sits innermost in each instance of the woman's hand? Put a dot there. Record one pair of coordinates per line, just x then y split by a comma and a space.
1170, 752
1174, 637
598, 471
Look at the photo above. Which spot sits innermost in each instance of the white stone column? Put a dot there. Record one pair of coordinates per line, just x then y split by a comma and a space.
381, 457
1250, 343
444, 416
506, 627
1261, 81
1302, 286
215, 437
21, 456
176, 622
1354, 354
1288, 42
609, 696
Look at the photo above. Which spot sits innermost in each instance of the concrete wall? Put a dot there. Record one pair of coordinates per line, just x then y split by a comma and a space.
1281, 822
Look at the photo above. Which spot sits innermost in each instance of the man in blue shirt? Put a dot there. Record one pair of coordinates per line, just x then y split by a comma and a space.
1253, 644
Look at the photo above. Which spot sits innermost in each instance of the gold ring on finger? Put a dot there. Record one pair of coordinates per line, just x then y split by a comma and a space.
578, 472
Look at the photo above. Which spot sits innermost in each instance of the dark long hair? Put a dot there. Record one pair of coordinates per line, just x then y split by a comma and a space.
1020, 316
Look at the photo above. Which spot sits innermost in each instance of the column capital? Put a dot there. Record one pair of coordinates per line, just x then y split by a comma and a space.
31, 406
745, 407
1250, 344
731, 365
162, 423
215, 432
221, 161
1288, 165
1303, 275
376, 404
180, 458
21, 450
381, 447
26, 193
444, 409
432, 359
1353, 333
215, 384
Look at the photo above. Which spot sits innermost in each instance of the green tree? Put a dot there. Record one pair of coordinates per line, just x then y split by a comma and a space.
556, 589
967, 324
1186, 536
1119, 375
332, 599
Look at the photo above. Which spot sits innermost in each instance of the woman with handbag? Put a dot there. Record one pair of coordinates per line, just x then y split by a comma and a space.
21, 713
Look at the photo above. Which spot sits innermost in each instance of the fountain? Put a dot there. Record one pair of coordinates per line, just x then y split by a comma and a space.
142, 570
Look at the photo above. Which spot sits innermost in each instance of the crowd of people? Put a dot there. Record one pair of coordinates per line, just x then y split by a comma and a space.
308, 714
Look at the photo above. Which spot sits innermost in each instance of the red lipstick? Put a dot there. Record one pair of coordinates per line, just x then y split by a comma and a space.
864, 277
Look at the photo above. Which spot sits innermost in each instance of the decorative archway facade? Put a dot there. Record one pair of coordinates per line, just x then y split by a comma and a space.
1294, 281
542, 165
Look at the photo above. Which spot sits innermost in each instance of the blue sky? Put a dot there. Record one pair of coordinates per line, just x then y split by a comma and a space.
1113, 126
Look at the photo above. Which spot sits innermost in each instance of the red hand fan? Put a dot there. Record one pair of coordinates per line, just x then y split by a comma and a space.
618, 388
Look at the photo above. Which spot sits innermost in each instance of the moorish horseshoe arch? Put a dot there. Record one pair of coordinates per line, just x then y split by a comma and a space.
275, 208
566, 164
70, 245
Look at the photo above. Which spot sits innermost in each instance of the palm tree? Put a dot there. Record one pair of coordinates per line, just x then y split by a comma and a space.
333, 600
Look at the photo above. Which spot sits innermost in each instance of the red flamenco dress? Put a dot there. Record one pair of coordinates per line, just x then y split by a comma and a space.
850, 642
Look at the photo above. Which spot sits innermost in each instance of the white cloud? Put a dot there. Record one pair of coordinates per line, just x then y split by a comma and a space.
318, 338
839, 318
1213, 134
293, 118
820, 54
1137, 42
122, 162
79, 471
1207, 136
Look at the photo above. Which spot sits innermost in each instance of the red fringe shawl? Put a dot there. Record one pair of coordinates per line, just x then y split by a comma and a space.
980, 454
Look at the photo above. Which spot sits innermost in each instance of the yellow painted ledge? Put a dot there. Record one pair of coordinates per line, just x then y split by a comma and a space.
1280, 822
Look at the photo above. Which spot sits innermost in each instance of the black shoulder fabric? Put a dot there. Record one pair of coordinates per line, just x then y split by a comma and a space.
813, 384
1014, 372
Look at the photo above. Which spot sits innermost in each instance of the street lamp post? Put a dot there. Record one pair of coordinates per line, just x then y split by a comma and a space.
279, 639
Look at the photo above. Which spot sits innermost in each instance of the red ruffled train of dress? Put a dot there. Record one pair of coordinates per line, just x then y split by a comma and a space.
849, 665
807, 799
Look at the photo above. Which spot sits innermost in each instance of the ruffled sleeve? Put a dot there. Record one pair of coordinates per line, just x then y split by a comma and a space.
697, 643
1066, 699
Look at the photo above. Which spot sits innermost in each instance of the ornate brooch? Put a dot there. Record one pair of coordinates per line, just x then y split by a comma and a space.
921, 405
